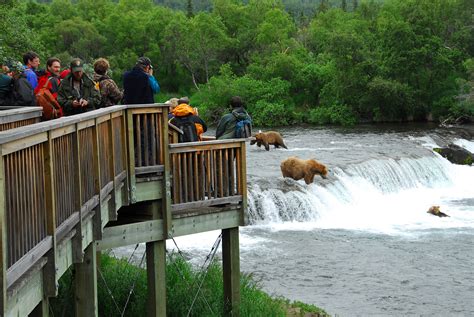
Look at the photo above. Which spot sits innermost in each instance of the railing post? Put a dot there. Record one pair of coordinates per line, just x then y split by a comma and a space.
97, 222
86, 304
131, 157
111, 167
3, 239
77, 252
166, 200
231, 271
50, 270
243, 182
156, 271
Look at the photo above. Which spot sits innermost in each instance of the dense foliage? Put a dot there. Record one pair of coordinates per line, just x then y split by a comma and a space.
116, 278
351, 61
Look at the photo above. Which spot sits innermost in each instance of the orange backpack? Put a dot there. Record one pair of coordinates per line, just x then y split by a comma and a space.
45, 100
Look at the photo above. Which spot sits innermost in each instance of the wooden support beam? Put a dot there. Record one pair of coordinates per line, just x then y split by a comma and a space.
97, 183
86, 304
50, 273
166, 199
243, 177
156, 273
231, 271
77, 252
131, 157
3, 241
41, 310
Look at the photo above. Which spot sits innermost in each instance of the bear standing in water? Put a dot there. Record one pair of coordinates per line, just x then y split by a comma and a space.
267, 139
297, 169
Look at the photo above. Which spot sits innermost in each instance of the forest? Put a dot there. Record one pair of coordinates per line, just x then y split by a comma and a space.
294, 61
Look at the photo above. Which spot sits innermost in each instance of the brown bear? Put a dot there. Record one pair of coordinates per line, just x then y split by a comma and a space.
435, 210
267, 139
297, 169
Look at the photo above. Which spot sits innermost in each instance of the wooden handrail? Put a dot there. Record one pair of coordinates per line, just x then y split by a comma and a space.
54, 173
207, 173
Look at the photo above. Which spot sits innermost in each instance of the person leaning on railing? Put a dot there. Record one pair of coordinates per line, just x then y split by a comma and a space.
77, 92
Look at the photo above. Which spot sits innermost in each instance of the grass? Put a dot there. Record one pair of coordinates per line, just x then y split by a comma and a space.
182, 282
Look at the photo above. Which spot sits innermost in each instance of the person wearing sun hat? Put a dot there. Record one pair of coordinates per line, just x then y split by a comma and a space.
77, 92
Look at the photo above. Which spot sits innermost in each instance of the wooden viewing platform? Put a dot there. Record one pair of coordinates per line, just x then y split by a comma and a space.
103, 179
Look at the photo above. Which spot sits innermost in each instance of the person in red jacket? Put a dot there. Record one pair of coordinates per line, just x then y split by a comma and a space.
53, 69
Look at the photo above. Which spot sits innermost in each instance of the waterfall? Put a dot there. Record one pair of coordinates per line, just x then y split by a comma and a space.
375, 193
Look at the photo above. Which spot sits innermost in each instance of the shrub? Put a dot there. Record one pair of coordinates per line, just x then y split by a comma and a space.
182, 283
335, 114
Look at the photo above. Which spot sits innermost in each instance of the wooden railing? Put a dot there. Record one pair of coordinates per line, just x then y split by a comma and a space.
14, 117
207, 173
52, 175
55, 174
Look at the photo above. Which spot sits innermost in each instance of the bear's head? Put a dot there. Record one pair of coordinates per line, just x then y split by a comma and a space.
435, 210
318, 168
259, 135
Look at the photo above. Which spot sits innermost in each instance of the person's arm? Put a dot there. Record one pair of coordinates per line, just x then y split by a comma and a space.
94, 98
221, 127
65, 99
155, 87
114, 93
204, 126
32, 78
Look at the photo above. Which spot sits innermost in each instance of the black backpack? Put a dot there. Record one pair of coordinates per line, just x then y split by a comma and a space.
189, 129
22, 93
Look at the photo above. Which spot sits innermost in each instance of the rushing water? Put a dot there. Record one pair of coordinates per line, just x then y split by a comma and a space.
360, 243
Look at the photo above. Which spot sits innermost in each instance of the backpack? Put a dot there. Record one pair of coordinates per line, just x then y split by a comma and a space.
45, 100
189, 129
22, 94
243, 129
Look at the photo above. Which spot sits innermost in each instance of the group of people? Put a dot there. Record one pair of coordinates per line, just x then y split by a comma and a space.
75, 92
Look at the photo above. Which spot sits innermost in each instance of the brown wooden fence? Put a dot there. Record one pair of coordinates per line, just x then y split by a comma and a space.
51, 173
207, 173
14, 117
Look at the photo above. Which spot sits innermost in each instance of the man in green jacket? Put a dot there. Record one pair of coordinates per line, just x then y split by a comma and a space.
77, 92
232, 123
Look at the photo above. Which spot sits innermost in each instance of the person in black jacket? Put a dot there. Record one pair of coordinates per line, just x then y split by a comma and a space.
137, 83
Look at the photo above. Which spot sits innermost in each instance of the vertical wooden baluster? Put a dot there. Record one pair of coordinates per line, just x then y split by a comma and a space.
146, 141
180, 179
232, 172
196, 177
226, 172
185, 180
139, 137
221, 175
238, 170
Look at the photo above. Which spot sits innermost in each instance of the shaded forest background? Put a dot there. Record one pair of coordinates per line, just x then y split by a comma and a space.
293, 61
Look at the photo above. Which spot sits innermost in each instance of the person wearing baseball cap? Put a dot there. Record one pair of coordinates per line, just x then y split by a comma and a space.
77, 92
139, 84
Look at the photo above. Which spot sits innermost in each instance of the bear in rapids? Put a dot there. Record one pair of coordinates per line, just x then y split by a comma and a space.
297, 169
267, 139
435, 210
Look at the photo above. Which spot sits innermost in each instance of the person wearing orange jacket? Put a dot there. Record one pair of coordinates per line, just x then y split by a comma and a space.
186, 119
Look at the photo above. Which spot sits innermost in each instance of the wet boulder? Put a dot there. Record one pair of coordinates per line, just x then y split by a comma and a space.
456, 154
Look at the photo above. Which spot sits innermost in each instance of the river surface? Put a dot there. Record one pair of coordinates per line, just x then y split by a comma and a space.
360, 243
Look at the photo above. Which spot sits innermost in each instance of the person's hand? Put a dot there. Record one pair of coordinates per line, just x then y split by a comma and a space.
150, 71
84, 103
76, 103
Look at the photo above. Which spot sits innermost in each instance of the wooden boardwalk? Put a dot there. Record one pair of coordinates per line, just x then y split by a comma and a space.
108, 178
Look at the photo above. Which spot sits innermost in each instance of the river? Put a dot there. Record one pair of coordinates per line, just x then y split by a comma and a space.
360, 243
